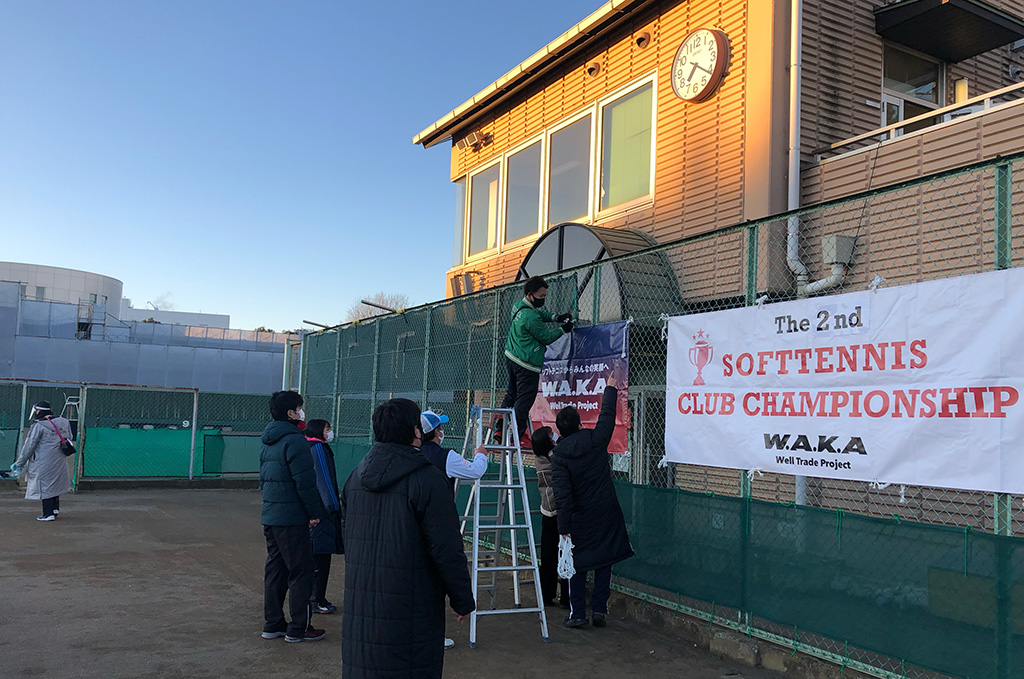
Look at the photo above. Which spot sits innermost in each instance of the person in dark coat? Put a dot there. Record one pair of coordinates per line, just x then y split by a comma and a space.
544, 440
291, 506
326, 535
587, 508
403, 555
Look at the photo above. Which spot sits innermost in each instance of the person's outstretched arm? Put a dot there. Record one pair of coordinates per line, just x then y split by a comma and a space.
458, 467
606, 419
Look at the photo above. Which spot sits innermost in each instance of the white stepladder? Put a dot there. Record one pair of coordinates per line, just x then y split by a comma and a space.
512, 514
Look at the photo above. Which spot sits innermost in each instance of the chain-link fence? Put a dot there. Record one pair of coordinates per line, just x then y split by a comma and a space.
890, 580
143, 432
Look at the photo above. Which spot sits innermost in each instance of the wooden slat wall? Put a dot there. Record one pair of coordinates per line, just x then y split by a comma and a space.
842, 70
698, 175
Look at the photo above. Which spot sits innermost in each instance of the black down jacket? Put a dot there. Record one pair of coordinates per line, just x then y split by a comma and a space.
585, 500
286, 477
403, 554
326, 535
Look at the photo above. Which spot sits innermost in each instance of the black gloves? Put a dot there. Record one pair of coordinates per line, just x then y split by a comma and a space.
562, 318
567, 326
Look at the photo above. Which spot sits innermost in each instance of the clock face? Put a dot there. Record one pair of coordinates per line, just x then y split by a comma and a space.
700, 64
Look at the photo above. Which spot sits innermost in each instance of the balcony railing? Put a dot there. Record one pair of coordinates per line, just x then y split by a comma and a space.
947, 114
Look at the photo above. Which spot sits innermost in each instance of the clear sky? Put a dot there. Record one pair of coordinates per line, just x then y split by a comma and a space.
246, 157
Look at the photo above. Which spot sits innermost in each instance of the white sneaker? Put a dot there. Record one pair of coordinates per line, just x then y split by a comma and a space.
448, 643
51, 517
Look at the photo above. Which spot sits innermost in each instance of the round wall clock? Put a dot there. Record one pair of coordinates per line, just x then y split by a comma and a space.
700, 64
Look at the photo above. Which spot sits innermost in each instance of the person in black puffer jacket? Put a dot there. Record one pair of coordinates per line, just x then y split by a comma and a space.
403, 554
587, 508
291, 506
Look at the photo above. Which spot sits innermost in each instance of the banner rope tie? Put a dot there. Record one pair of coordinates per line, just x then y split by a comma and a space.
751, 472
664, 326
759, 302
877, 485
625, 344
876, 283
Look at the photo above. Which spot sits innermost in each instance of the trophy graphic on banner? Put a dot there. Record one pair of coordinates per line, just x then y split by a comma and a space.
700, 354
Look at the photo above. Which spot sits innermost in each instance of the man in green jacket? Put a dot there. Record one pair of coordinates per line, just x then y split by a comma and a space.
291, 506
528, 335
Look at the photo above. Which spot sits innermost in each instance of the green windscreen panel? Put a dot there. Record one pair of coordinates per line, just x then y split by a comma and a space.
626, 153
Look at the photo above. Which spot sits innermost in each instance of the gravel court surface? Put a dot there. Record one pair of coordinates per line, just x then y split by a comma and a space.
169, 583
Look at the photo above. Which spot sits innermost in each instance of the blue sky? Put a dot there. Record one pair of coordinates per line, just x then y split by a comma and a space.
245, 157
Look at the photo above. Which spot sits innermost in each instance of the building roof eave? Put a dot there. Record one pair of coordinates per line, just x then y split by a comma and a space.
605, 17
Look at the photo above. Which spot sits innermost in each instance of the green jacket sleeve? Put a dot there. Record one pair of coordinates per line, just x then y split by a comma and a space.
541, 331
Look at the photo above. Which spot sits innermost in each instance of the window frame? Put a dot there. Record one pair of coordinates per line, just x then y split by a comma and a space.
468, 213
598, 156
543, 140
892, 95
596, 111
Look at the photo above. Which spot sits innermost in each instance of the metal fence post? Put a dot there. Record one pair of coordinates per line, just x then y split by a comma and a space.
751, 288
192, 451
426, 356
21, 418
80, 442
1003, 215
495, 350
336, 409
373, 374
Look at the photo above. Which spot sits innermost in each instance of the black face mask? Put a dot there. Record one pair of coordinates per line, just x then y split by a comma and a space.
538, 303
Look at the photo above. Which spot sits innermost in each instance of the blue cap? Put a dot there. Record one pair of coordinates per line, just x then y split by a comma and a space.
429, 421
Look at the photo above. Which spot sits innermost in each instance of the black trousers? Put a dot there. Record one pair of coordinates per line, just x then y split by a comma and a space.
549, 579
598, 600
522, 392
321, 571
289, 569
50, 504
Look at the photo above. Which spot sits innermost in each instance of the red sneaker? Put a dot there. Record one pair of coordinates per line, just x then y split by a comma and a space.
310, 635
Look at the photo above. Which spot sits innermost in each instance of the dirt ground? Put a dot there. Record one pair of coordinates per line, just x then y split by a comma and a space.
168, 583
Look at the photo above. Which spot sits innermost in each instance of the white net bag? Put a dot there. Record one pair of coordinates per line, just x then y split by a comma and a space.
565, 566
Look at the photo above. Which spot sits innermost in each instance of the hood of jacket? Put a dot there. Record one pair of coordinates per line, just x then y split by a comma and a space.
388, 463
574, 445
276, 430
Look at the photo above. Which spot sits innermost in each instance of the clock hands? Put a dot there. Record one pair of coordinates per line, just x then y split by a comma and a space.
694, 70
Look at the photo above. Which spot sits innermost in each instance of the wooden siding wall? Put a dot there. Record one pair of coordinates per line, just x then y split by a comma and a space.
698, 186
842, 71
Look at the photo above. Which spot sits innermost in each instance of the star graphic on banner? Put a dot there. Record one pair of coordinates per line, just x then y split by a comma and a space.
701, 334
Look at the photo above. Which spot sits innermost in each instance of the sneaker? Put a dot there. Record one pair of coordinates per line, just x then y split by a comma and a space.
272, 635
51, 517
310, 635
575, 622
448, 643
599, 620
325, 608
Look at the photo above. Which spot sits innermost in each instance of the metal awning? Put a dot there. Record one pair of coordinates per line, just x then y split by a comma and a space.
951, 30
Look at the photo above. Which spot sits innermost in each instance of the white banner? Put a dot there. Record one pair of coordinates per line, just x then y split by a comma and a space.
918, 384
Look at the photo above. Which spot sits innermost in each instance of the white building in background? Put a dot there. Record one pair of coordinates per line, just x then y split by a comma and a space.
64, 325
57, 284
196, 318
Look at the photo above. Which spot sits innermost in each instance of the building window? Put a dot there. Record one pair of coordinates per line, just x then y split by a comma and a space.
92, 297
459, 253
24, 291
569, 176
522, 211
483, 210
911, 86
626, 149
40, 293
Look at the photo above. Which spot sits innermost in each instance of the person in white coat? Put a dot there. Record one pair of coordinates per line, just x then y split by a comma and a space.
45, 465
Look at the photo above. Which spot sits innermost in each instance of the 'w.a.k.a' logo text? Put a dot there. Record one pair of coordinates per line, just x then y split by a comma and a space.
700, 354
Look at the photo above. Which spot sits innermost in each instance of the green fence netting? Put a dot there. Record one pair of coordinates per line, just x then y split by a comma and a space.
716, 542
